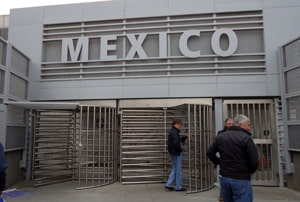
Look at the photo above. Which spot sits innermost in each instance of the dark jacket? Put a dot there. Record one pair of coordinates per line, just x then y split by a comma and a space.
174, 141
238, 154
3, 164
221, 131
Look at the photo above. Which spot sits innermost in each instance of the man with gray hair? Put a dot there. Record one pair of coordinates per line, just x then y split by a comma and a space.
238, 160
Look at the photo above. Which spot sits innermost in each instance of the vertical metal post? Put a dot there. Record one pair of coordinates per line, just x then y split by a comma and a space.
219, 124
108, 145
87, 145
99, 144
189, 148
80, 147
93, 145
29, 144
116, 145
205, 140
74, 152
211, 135
111, 143
34, 119
165, 136
196, 163
121, 147
105, 144
201, 135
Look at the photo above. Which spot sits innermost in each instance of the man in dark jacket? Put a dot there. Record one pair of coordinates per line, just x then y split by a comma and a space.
238, 160
227, 124
175, 151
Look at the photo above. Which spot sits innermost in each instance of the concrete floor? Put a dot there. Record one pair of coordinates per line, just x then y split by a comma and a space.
138, 193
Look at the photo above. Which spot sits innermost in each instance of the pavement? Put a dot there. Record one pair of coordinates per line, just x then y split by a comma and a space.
117, 192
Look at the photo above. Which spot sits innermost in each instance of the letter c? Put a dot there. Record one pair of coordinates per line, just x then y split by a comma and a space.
183, 44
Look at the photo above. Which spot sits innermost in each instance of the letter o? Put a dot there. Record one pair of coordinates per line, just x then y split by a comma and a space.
215, 42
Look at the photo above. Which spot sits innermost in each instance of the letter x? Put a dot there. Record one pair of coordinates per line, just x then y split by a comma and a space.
136, 45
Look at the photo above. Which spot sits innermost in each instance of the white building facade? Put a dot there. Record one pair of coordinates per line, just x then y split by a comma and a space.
162, 53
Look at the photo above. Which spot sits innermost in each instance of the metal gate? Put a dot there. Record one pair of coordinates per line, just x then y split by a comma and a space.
143, 140
84, 145
98, 146
198, 171
53, 146
263, 123
80, 144
144, 157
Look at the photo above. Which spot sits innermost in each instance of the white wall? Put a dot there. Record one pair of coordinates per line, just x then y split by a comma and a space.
26, 27
279, 29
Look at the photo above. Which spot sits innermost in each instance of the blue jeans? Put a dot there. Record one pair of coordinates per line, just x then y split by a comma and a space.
176, 172
236, 190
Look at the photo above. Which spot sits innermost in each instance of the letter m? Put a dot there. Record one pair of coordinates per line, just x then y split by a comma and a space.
81, 49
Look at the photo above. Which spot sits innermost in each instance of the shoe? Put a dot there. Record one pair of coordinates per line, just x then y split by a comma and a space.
169, 188
182, 189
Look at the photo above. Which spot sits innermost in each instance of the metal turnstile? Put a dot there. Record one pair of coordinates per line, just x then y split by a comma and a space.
85, 144
80, 144
53, 146
143, 150
263, 129
97, 146
144, 157
198, 171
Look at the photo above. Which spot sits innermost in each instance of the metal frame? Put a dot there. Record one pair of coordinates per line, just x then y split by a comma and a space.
281, 147
75, 144
263, 122
95, 153
284, 68
198, 171
143, 143
148, 128
97, 146
53, 146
